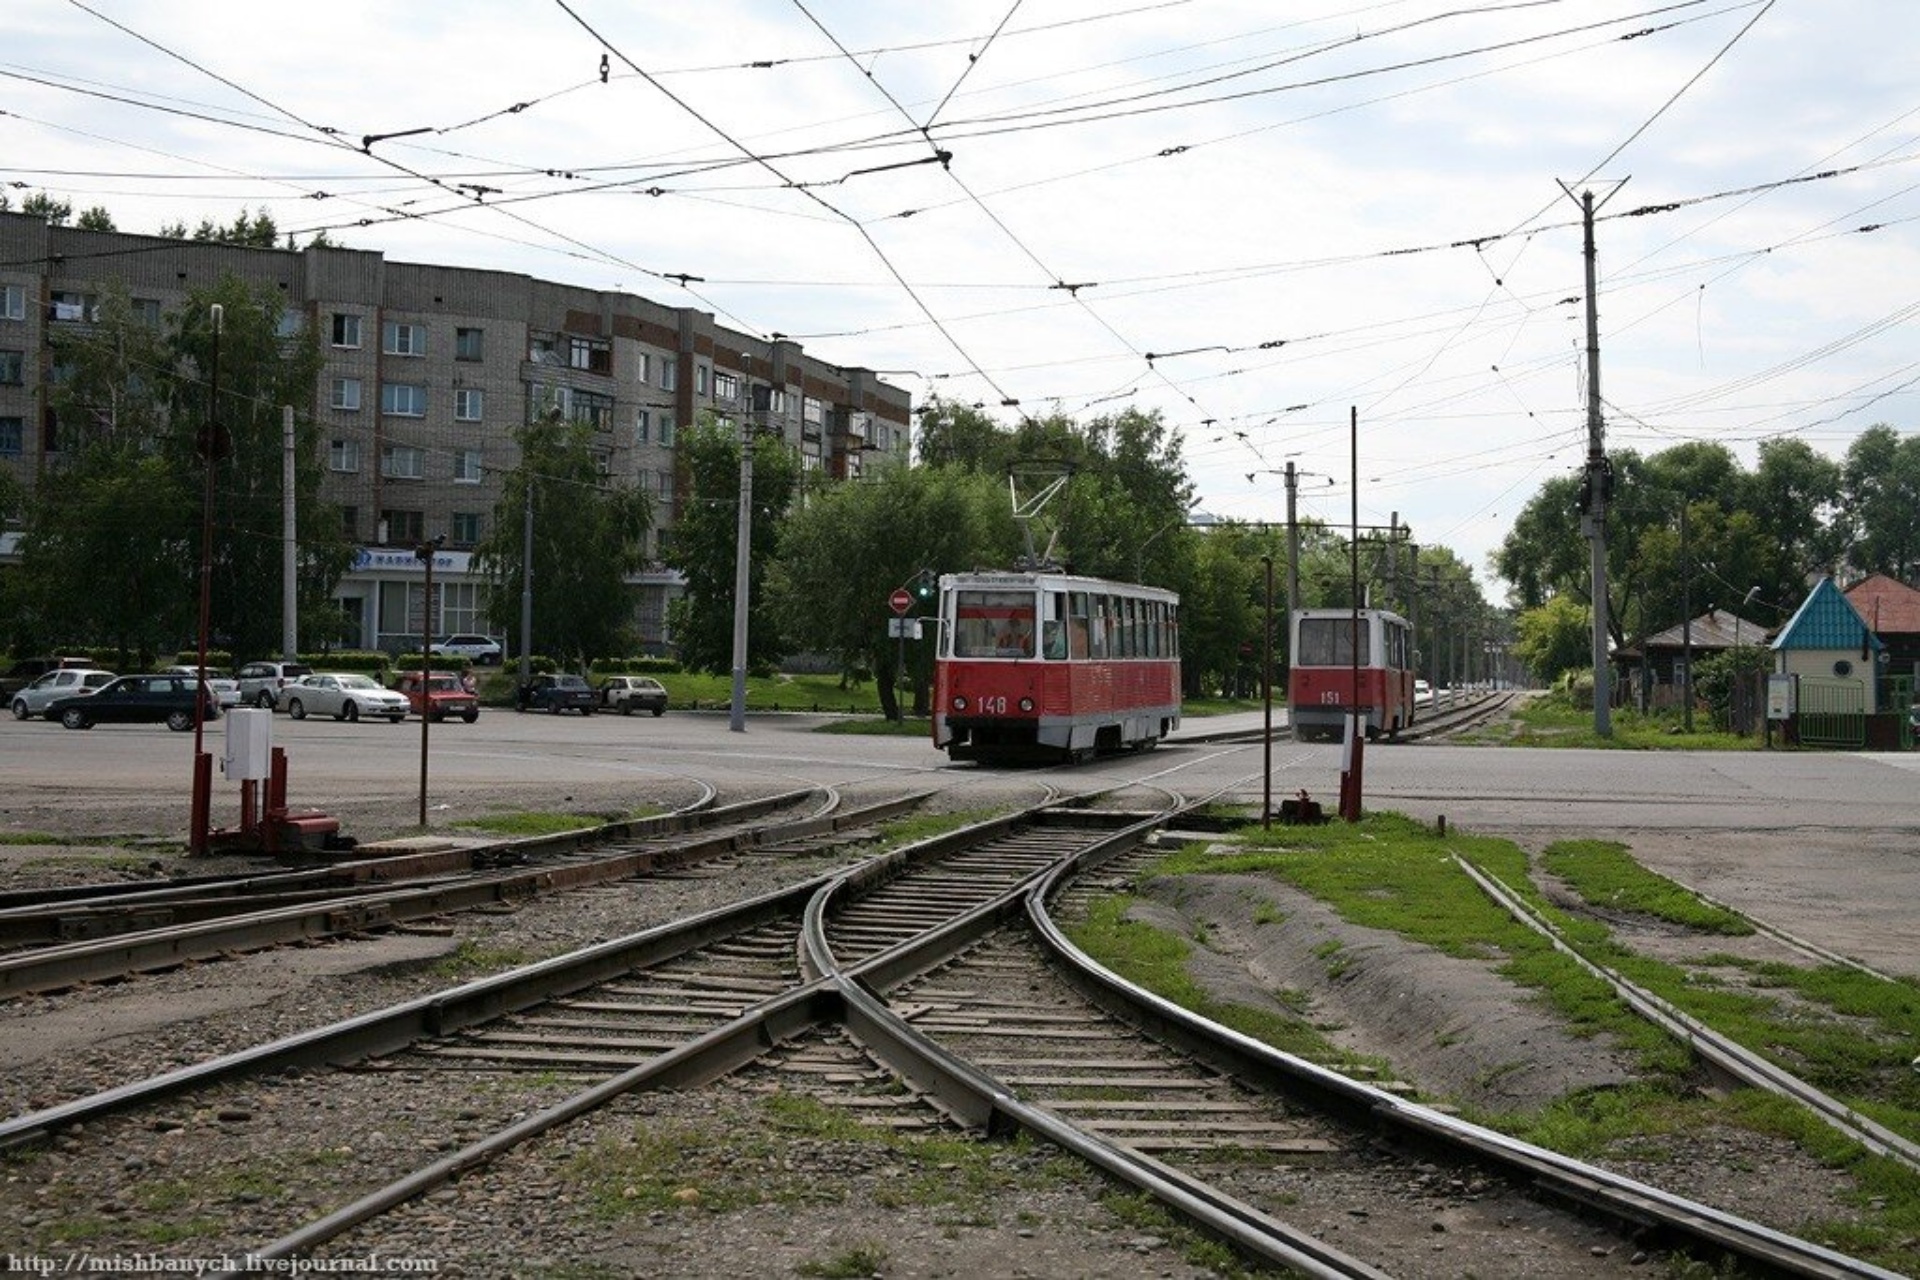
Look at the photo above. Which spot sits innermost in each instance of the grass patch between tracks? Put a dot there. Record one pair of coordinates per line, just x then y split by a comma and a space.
1848, 1033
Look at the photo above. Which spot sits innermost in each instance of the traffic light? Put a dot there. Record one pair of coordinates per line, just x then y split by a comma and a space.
924, 584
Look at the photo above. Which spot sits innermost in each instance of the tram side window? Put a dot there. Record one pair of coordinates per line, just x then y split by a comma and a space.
1079, 640
1054, 628
1328, 642
993, 624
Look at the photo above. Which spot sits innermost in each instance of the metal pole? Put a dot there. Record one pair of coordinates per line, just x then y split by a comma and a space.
209, 451
1266, 700
1593, 520
289, 544
526, 582
425, 552
743, 548
1686, 625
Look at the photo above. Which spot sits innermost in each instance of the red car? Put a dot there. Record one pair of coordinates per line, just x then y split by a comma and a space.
446, 695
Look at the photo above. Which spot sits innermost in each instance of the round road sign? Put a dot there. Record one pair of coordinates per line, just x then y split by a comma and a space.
901, 600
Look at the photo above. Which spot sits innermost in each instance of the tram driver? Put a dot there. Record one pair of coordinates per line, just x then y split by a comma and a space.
1014, 640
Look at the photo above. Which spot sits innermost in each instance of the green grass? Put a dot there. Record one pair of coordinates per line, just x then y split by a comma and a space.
876, 726
1847, 1032
1605, 874
1551, 720
471, 958
862, 1260
537, 823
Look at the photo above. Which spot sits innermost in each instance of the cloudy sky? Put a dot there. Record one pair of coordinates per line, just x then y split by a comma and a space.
1255, 219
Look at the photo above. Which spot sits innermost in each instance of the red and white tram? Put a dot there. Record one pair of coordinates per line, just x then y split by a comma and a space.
1320, 682
1050, 666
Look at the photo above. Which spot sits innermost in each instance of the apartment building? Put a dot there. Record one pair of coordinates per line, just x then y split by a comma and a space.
428, 371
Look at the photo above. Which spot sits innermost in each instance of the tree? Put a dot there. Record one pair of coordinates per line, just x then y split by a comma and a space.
130, 409
1554, 638
845, 550
56, 212
1881, 503
96, 219
705, 540
589, 533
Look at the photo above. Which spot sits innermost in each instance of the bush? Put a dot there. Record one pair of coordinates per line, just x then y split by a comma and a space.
636, 667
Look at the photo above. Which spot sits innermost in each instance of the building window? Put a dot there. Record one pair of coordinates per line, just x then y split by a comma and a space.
343, 455
726, 387
350, 523
669, 374
13, 436
346, 330
460, 601
642, 425
403, 400
700, 379
646, 369
666, 432
464, 529
595, 355
292, 322
402, 462
812, 410
603, 461
13, 368
399, 339
541, 349
13, 302
147, 312
466, 466
345, 395
74, 308
467, 403
469, 344
404, 527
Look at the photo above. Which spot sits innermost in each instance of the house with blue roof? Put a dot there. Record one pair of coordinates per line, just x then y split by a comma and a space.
1830, 647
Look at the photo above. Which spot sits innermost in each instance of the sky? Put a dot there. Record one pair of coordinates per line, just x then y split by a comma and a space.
1336, 234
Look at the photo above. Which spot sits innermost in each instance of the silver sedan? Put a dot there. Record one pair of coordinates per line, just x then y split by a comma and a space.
344, 695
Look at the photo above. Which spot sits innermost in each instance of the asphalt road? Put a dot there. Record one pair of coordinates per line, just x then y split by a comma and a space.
1824, 844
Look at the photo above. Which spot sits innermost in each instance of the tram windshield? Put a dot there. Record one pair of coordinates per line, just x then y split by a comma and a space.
993, 624
1328, 642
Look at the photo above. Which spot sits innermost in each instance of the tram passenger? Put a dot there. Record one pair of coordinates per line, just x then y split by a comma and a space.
1014, 640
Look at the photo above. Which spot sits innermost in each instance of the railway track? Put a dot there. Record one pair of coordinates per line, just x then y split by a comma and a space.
1223, 1129
67, 939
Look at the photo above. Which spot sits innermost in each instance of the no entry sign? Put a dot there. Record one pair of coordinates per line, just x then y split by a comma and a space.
901, 600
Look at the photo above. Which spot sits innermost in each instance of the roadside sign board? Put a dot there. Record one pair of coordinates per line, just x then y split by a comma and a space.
901, 600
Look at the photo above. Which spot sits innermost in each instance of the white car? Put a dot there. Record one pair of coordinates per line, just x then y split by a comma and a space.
32, 700
483, 651
344, 695
225, 689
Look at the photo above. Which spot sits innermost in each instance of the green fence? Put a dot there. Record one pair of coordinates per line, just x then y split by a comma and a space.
1833, 713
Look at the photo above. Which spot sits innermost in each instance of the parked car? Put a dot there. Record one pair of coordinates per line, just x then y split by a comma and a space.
261, 682
344, 695
66, 682
27, 670
1421, 689
628, 694
155, 699
445, 695
482, 651
557, 693
225, 689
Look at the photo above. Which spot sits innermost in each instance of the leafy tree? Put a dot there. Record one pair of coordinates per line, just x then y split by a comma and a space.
57, 212
705, 541
1881, 503
589, 533
132, 408
255, 231
846, 549
1554, 638
96, 219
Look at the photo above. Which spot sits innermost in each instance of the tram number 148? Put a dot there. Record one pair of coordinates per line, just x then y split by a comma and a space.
993, 706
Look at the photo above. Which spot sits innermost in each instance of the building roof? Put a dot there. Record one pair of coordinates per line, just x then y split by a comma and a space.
1889, 606
1826, 620
1714, 629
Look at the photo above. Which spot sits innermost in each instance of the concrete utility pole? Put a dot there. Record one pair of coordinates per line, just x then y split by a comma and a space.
289, 544
743, 547
1293, 545
1597, 487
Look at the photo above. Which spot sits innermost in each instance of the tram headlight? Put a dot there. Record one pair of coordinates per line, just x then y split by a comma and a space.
1026, 704
959, 702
